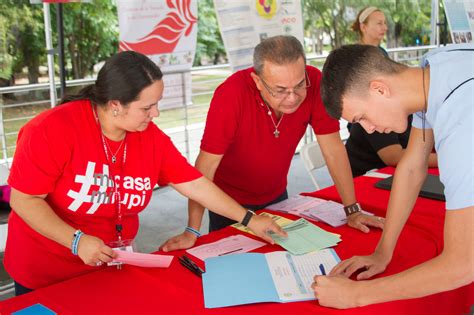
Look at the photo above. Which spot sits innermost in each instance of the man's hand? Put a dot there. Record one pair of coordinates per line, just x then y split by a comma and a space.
336, 291
372, 265
261, 225
362, 221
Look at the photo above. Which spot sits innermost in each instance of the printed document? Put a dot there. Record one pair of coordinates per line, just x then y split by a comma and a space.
255, 278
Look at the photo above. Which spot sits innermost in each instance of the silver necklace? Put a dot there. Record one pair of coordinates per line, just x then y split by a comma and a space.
107, 148
114, 155
276, 133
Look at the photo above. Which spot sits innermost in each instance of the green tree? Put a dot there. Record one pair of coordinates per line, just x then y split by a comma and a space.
409, 19
90, 34
209, 41
6, 60
333, 18
406, 19
23, 34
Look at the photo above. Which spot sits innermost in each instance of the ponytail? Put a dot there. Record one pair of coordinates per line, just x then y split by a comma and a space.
86, 93
122, 78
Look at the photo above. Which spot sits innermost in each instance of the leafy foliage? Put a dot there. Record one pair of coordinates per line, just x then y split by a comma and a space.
407, 19
91, 31
209, 41
21, 38
90, 34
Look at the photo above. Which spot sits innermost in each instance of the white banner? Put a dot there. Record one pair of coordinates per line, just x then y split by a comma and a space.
244, 23
460, 15
165, 31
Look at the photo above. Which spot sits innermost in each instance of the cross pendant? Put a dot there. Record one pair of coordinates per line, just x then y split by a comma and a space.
114, 159
276, 133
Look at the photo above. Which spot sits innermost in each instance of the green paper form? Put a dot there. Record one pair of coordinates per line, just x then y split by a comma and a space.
304, 237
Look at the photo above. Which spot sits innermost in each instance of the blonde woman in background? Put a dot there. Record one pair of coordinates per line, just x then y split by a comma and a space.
371, 26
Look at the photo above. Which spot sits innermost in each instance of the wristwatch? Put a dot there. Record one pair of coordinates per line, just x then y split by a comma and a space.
351, 209
247, 217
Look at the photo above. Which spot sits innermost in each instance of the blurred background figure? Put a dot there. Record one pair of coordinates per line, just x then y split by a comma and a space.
371, 26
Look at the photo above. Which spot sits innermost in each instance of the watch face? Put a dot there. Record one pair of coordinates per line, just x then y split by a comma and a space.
352, 209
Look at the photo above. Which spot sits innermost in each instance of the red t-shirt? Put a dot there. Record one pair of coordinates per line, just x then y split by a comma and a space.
255, 164
60, 153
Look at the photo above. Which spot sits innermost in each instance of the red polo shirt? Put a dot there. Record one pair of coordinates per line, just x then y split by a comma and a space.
60, 153
255, 164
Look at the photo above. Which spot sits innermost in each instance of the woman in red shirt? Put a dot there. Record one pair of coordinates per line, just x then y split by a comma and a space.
84, 170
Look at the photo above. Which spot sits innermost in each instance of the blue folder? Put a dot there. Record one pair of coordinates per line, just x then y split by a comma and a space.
246, 278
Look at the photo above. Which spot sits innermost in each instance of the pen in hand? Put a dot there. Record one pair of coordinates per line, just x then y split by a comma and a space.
323, 271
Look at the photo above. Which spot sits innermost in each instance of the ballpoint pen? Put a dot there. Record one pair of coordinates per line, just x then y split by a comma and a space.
192, 263
323, 271
185, 264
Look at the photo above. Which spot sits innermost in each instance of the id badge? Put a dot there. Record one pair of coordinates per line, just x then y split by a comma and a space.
126, 245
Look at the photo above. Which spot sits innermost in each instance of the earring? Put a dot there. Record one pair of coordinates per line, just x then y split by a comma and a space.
115, 113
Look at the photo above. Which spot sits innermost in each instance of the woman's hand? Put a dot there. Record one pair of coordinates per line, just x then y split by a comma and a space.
94, 252
182, 241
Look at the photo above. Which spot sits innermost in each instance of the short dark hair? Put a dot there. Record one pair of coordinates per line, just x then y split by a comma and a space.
280, 50
122, 78
349, 69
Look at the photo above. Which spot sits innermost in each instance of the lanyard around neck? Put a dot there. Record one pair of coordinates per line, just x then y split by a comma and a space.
117, 196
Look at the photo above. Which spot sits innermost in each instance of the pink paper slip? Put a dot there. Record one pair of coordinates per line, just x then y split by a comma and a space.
143, 260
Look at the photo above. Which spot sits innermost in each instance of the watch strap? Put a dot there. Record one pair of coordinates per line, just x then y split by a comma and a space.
247, 217
351, 209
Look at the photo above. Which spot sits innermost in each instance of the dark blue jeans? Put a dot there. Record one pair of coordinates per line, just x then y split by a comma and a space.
217, 222
19, 289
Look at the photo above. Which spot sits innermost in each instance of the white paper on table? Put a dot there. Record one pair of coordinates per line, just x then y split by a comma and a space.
293, 275
329, 212
295, 204
235, 244
377, 175
143, 260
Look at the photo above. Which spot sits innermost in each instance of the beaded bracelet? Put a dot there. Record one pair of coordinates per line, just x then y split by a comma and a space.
193, 231
75, 241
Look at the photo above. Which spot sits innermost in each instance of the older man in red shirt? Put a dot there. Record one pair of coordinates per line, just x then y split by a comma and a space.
256, 119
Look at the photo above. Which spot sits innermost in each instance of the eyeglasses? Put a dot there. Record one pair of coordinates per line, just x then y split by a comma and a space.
299, 90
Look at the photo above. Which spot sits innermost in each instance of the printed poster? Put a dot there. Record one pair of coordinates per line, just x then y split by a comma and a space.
460, 16
165, 31
244, 23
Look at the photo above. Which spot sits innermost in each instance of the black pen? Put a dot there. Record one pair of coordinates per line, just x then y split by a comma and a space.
188, 266
321, 267
193, 264
230, 252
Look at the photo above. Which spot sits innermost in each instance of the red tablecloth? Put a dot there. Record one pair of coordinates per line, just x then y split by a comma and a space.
176, 290
427, 219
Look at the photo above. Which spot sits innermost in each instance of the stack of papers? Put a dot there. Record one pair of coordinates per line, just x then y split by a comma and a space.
295, 204
329, 212
281, 221
315, 209
255, 278
304, 237
235, 244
